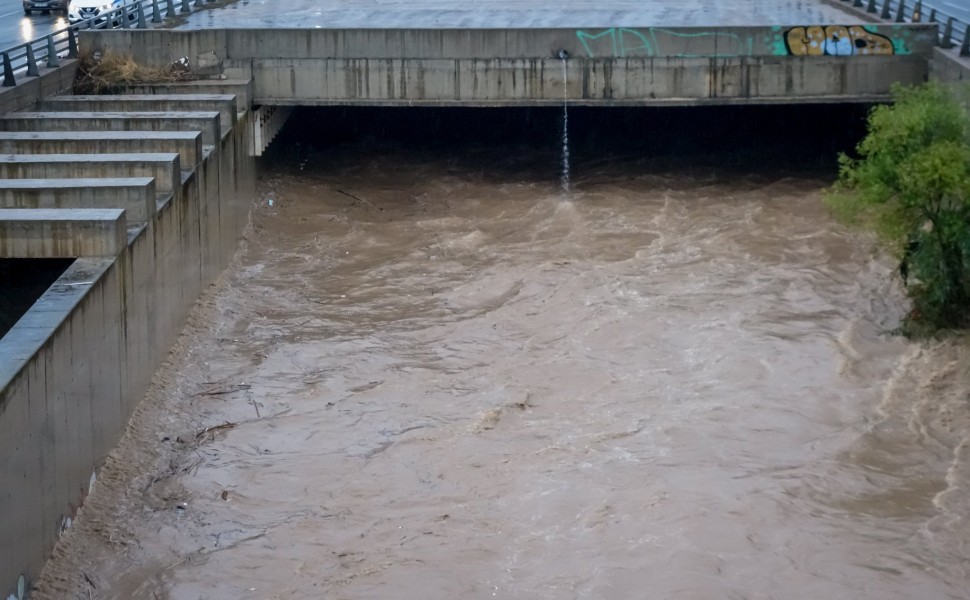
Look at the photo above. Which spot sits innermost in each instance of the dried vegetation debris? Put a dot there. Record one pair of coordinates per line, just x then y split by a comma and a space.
110, 72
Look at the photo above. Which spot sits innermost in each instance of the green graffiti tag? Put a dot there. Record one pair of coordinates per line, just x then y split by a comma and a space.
617, 42
807, 40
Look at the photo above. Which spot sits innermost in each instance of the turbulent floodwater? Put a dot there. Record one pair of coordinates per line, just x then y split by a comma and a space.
426, 377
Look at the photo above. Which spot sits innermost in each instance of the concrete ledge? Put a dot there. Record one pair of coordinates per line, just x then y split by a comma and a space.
241, 88
136, 195
225, 104
206, 122
658, 103
31, 89
163, 167
188, 144
62, 233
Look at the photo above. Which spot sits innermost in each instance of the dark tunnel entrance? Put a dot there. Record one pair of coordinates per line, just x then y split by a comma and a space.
763, 137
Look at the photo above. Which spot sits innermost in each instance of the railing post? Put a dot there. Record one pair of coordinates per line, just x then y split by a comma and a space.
887, 13
198, 3
31, 62
124, 17
857, 3
141, 17
933, 15
8, 79
947, 40
872, 6
72, 44
918, 12
52, 59
156, 12
185, 6
965, 49
901, 13
170, 10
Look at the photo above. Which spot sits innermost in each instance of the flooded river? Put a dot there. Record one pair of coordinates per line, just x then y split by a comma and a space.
434, 374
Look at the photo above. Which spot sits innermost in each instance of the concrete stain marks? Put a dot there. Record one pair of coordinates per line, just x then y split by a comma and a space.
188, 144
225, 104
242, 89
206, 122
61, 233
513, 14
163, 167
134, 194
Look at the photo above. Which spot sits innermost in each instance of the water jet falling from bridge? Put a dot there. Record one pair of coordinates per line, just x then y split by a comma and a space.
564, 177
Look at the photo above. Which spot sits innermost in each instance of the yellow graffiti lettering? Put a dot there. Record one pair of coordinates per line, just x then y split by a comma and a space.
866, 42
836, 40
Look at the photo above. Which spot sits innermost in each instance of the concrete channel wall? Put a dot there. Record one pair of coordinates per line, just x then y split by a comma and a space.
154, 220
806, 62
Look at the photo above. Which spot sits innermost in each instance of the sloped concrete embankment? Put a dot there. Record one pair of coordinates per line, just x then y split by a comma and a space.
148, 194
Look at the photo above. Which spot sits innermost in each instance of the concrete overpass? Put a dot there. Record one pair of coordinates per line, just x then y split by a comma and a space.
151, 197
608, 66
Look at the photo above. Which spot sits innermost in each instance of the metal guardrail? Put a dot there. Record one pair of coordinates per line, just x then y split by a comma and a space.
954, 32
26, 60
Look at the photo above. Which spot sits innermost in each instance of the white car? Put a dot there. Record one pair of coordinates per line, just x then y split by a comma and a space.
79, 10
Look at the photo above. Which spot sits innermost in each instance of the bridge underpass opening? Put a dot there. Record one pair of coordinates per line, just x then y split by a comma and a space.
766, 137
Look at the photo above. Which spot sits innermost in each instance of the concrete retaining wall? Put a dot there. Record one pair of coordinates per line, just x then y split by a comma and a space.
947, 65
637, 66
76, 365
31, 89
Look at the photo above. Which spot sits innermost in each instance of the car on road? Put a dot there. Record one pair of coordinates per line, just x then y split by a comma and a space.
43, 5
79, 10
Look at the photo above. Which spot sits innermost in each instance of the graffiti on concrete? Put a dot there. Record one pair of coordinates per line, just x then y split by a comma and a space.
836, 40
619, 42
805, 40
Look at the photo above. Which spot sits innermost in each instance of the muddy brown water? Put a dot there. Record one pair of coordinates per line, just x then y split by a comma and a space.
423, 380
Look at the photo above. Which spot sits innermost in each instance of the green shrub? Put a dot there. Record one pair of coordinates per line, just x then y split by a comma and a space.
911, 184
